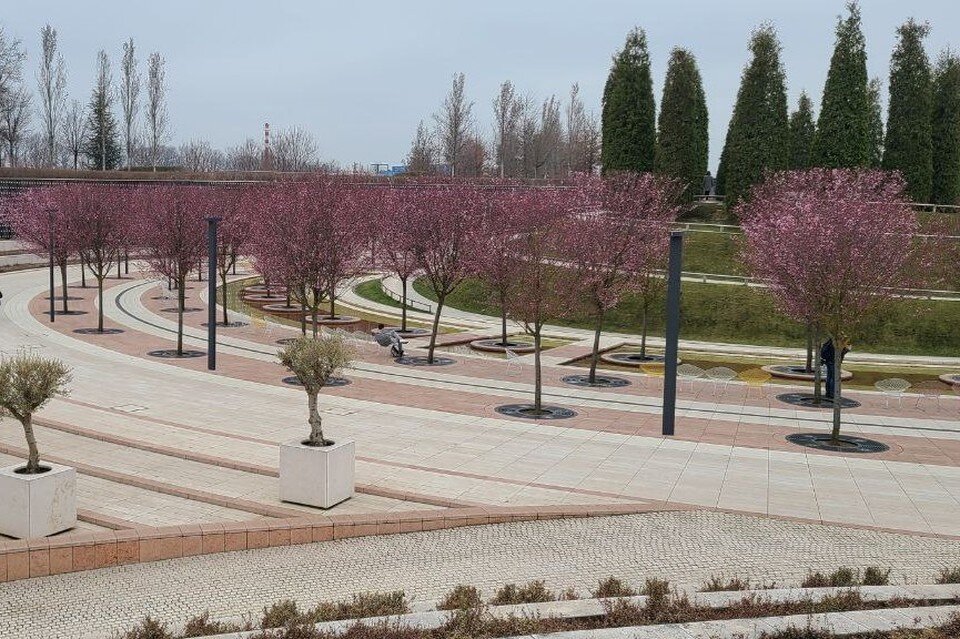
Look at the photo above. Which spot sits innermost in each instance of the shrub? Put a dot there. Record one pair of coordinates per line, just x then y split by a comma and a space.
842, 577
461, 598
201, 626
281, 614
149, 628
612, 587
949, 576
533, 592
720, 584
874, 576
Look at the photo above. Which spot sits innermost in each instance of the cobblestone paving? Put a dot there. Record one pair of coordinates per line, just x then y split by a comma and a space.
684, 547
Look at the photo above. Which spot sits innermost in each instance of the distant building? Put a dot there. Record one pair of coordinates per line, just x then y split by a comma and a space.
388, 170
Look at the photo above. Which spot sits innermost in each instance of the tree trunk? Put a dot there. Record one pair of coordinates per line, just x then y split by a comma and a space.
33, 456
503, 320
316, 426
817, 369
119, 261
181, 296
288, 297
223, 281
643, 333
403, 304
537, 375
809, 364
303, 311
100, 300
126, 262
595, 355
837, 362
333, 301
63, 280
436, 328
83, 272
315, 308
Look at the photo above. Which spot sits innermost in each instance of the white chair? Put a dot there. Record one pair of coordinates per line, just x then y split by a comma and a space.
514, 365
892, 387
929, 388
721, 376
689, 372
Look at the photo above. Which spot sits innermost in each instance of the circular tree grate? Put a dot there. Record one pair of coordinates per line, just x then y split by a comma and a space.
186, 309
236, 324
526, 411
807, 400
171, 353
421, 360
70, 312
496, 346
600, 381
94, 331
333, 381
845, 444
632, 359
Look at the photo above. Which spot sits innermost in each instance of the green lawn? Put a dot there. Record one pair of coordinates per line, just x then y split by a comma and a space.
373, 291
739, 314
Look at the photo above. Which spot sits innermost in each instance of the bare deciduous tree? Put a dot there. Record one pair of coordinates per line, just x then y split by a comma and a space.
200, 157
422, 157
581, 146
454, 122
548, 141
129, 95
11, 107
156, 106
75, 131
14, 122
508, 110
51, 84
245, 157
294, 149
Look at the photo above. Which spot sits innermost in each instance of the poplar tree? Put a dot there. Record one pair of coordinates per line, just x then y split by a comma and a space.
843, 136
683, 140
946, 130
908, 147
628, 127
758, 136
802, 132
876, 124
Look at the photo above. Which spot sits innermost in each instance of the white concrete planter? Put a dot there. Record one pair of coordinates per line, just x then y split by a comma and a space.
37, 505
320, 476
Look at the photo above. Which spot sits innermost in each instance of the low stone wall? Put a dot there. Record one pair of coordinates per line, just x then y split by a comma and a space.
22, 559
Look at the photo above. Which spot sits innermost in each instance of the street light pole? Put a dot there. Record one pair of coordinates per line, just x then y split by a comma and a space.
50, 241
212, 292
673, 333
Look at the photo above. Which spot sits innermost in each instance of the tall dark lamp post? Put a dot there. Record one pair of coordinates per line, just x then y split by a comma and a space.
673, 333
50, 247
212, 292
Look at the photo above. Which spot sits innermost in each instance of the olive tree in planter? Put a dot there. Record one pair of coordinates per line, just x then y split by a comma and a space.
37, 499
316, 471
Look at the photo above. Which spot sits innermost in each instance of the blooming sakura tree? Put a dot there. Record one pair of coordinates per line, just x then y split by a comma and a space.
388, 210
834, 247
442, 227
543, 284
171, 232
618, 241
96, 217
495, 260
40, 218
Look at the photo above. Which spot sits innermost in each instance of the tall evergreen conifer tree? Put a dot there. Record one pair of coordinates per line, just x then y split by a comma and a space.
683, 139
876, 123
946, 130
102, 149
758, 137
802, 132
843, 130
909, 147
628, 120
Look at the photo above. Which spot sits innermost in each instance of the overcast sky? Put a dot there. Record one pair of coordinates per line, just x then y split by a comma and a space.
361, 75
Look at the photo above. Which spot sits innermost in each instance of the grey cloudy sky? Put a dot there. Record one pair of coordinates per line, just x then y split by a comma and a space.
361, 75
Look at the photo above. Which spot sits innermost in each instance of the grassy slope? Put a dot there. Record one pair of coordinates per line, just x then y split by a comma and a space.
737, 314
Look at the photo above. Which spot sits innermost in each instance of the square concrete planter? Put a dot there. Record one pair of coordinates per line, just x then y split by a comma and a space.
320, 476
37, 505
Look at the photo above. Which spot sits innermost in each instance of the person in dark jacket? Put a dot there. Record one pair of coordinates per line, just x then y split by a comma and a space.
827, 354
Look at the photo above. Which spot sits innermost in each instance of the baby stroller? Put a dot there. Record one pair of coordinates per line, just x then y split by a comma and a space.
392, 339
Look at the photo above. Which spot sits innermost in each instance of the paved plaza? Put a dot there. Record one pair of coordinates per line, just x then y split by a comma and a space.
164, 442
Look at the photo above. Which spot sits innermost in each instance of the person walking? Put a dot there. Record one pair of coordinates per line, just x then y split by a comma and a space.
828, 354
